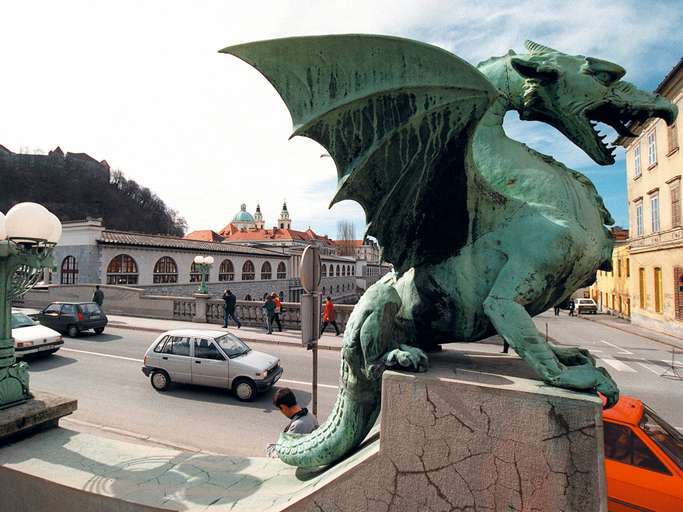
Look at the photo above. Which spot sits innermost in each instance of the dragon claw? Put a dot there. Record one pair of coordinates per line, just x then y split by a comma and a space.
407, 357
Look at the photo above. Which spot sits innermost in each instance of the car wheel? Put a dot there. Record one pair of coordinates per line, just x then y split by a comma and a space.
245, 390
72, 331
99, 330
160, 380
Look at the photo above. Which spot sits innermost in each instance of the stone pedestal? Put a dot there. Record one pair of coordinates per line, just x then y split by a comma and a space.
201, 301
492, 444
40, 412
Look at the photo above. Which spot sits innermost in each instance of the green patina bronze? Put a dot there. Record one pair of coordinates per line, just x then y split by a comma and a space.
483, 231
19, 270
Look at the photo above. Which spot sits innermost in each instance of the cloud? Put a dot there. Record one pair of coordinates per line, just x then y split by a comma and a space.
140, 84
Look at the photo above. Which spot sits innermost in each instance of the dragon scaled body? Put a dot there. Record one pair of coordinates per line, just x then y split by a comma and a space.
416, 134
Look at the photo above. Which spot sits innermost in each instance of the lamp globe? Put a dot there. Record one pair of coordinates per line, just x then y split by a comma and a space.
28, 221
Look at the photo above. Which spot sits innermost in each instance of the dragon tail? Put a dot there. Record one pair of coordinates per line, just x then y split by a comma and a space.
345, 428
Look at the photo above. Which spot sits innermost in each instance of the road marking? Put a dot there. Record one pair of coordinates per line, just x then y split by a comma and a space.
675, 363
286, 381
618, 365
621, 350
101, 354
656, 372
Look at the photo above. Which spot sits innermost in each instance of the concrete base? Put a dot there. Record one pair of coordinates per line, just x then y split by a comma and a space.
451, 439
40, 412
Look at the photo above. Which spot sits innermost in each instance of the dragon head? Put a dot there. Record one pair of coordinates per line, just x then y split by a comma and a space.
573, 93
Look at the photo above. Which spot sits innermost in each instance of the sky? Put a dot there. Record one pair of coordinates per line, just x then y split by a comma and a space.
141, 85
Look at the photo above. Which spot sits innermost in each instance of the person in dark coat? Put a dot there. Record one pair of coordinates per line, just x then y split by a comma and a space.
269, 312
229, 304
98, 296
572, 307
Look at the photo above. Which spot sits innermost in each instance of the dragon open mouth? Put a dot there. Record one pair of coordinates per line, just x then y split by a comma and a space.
620, 118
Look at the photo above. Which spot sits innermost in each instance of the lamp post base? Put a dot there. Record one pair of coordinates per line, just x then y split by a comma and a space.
14, 385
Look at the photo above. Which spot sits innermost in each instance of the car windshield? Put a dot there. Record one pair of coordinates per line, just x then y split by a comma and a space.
21, 320
232, 345
664, 435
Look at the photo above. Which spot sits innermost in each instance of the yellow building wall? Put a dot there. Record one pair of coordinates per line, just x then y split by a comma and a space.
611, 289
658, 252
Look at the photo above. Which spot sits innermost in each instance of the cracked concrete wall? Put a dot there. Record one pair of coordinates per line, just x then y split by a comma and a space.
468, 446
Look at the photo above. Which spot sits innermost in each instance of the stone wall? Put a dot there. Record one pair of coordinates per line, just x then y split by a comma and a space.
500, 444
87, 259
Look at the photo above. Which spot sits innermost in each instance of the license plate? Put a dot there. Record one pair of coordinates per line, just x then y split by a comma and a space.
94, 315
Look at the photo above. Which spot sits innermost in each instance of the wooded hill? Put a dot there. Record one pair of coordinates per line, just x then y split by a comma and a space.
75, 186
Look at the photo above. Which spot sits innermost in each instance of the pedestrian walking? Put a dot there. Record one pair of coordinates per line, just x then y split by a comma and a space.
329, 316
556, 308
278, 309
98, 296
268, 312
229, 304
572, 307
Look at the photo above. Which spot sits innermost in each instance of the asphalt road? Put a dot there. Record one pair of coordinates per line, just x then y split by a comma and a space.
103, 372
641, 367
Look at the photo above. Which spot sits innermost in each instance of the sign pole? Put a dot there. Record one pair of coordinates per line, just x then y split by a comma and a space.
310, 274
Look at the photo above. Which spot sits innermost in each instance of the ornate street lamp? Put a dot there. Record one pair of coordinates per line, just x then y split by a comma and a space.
204, 263
28, 235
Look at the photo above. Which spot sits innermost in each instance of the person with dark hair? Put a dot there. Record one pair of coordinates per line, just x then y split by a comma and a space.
229, 303
98, 296
276, 311
328, 316
268, 307
301, 420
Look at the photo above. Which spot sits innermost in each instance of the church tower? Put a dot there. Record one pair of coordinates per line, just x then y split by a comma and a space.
284, 222
258, 217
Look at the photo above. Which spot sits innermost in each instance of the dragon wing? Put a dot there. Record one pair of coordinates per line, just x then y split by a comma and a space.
397, 116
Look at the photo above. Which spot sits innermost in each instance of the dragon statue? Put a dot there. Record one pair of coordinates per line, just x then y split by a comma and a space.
416, 135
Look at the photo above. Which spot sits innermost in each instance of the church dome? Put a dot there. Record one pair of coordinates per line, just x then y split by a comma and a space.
243, 216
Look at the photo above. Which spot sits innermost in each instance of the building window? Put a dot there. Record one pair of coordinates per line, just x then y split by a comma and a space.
165, 271
659, 299
248, 272
639, 218
353, 270
281, 270
324, 271
344, 270
69, 274
651, 148
618, 267
628, 267
122, 269
338, 271
266, 271
195, 274
636, 159
654, 209
676, 204
641, 286
673, 138
226, 272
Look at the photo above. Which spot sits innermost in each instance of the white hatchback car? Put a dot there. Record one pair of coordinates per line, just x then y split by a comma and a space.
30, 337
210, 358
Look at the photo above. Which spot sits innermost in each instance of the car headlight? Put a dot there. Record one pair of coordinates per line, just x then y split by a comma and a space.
262, 374
24, 344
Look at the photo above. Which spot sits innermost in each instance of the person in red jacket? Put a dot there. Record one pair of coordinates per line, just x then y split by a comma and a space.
328, 316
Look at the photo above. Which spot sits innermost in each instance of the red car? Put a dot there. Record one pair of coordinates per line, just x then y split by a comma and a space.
643, 459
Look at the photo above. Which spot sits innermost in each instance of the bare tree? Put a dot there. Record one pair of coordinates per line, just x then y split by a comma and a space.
346, 236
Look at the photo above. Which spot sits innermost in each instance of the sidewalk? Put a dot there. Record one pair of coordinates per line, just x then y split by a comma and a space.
626, 326
328, 341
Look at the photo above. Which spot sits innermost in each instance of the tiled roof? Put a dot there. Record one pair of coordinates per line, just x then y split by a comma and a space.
234, 234
205, 235
349, 243
171, 242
